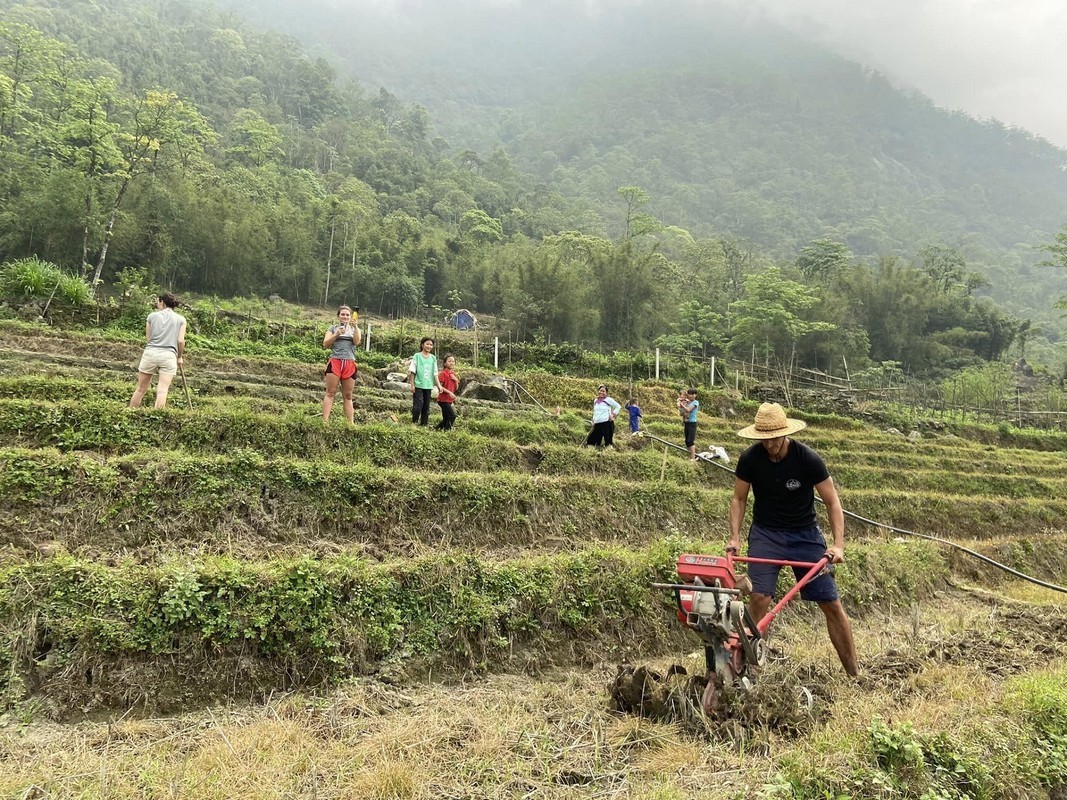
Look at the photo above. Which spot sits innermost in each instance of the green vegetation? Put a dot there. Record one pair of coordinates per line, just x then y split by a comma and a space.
274, 178
381, 611
1026, 749
905, 763
324, 619
734, 128
244, 501
35, 280
164, 560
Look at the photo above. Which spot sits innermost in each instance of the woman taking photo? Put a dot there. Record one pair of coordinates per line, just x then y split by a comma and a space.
341, 340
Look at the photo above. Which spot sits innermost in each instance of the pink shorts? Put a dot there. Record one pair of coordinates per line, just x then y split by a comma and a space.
341, 367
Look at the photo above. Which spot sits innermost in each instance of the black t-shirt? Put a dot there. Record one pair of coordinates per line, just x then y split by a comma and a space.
784, 491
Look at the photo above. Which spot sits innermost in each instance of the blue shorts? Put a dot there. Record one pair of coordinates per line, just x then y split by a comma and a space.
802, 545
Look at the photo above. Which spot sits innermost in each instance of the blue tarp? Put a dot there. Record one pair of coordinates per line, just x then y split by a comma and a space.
463, 320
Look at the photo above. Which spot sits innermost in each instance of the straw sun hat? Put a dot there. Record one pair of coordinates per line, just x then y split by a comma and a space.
771, 422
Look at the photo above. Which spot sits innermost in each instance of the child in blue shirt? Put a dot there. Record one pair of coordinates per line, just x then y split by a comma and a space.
635, 415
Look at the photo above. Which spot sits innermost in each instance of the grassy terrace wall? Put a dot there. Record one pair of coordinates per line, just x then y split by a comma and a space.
244, 501
210, 501
71, 628
528, 483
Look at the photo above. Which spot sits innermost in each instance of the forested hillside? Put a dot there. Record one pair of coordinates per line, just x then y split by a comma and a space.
169, 143
733, 126
277, 173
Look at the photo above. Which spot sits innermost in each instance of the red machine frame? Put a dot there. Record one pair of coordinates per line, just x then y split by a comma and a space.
709, 603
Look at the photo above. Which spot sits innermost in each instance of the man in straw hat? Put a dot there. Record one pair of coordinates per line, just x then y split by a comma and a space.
784, 475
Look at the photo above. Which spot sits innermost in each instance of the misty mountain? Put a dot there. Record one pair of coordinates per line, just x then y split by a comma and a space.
733, 125
692, 200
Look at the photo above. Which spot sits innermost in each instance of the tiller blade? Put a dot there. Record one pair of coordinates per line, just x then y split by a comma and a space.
709, 603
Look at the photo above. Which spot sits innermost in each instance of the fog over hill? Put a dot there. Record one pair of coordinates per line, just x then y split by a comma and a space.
999, 60
738, 120
990, 60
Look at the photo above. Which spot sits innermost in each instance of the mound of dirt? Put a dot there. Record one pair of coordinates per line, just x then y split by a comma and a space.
1013, 639
1022, 638
783, 701
661, 696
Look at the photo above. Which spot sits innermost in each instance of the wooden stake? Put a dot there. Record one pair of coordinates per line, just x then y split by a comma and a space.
185, 385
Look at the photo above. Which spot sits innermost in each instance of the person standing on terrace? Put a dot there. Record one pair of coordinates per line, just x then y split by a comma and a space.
341, 340
635, 416
784, 476
165, 335
605, 409
422, 377
446, 397
689, 408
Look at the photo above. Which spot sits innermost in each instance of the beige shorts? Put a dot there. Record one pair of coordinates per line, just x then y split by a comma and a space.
158, 360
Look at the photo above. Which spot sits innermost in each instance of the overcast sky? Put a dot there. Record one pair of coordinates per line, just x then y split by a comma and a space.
992, 58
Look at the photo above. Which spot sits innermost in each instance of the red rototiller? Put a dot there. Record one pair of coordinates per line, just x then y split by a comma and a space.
709, 602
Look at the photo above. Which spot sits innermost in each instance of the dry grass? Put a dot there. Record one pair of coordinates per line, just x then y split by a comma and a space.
1026, 592
940, 666
504, 737
512, 736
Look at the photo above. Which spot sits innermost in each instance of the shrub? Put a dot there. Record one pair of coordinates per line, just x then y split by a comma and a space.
134, 297
33, 279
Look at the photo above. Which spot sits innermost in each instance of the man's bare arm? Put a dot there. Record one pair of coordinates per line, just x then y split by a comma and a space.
836, 514
738, 504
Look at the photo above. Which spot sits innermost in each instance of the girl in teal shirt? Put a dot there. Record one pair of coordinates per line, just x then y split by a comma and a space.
422, 377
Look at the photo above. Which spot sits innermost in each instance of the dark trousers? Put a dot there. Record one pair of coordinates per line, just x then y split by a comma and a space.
448, 417
602, 433
690, 434
420, 406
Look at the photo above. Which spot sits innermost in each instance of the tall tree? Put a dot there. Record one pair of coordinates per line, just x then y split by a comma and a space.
253, 140
86, 141
1057, 250
546, 291
637, 222
160, 124
770, 316
946, 265
627, 289
823, 260
29, 67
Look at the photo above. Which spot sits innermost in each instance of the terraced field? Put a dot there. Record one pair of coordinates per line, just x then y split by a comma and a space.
237, 600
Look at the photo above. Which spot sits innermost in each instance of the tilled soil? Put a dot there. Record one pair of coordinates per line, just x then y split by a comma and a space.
785, 701
1014, 639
